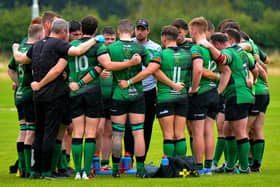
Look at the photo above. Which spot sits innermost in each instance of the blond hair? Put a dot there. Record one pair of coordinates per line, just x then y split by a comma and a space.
200, 23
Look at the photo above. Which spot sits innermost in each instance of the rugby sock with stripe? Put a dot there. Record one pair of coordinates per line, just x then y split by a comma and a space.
168, 147
89, 150
231, 151
77, 152
258, 152
180, 147
243, 147
140, 164
220, 147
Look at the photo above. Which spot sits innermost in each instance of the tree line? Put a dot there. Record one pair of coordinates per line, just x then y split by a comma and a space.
258, 18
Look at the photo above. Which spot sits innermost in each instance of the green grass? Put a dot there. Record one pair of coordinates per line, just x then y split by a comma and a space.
270, 175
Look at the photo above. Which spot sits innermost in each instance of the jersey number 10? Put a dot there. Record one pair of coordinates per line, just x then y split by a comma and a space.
81, 63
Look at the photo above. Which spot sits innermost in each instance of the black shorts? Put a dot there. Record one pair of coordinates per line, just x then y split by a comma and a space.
235, 111
125, 107
89, 104
204, 105
106, 108
178, 107
261, 103
66, 120
222, 105
26, 111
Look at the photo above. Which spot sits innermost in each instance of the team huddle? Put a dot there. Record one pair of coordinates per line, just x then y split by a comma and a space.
79, 92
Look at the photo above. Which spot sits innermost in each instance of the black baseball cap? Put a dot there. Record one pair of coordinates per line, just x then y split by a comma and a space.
142, 23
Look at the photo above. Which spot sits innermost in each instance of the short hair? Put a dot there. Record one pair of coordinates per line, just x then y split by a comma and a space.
234, 34
244, 35
48, 16
232, 25
125, 26
59, 24
108, 30
219, 37
74, 26
200, 23
89, 25
180, 23
36, 20
223, 22
210, 25
170, 31
34, 30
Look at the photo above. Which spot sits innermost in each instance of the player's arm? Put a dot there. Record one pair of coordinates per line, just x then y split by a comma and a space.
53, 73
19, 56
262, 72
13, 75
149, 70
90, 76
224, 77
206, 73
160, 76
82, 48
217, 55
106, 62
196, 75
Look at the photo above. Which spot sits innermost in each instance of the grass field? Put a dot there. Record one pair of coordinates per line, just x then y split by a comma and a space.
270, 175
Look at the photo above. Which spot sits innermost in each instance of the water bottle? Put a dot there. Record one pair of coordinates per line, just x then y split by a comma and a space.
164, 161
127, 161
96, 165
164, 166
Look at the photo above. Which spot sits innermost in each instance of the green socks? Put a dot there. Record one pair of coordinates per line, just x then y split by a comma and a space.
180, 147
243, 147
258, 151
89, 150
231, 151
77, 152
168, 147
220, 147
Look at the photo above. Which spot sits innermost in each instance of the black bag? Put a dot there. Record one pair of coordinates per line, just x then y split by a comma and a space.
179, 166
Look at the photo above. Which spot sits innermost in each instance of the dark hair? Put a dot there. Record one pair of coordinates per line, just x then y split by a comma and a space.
108, 30
218, 37
244, 35
230, 25
180, 23
125, 26
89, 25
170, 31
210, 25
74, 26
223, 22
232, 33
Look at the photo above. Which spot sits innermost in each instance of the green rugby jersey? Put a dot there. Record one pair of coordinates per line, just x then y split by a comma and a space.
79, 66
254, 48
24, 71
187, 46
176, 64
122, 51
237, 86
261, 87
203, 53
106, 86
